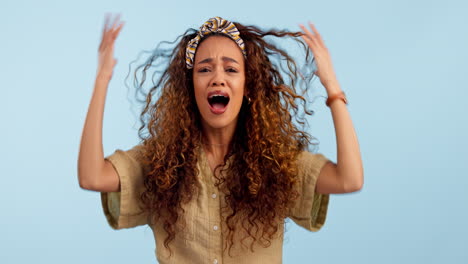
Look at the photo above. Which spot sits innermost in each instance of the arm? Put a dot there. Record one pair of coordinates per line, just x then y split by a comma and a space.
94, 173
347, 174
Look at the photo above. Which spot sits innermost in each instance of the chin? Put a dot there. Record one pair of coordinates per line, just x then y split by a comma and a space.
219, 122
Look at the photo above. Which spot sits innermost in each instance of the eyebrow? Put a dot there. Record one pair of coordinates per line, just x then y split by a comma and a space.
208, 60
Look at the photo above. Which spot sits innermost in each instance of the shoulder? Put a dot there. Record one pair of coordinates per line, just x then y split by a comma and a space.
310, 162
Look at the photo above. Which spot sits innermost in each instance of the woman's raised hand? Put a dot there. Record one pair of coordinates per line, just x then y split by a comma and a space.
322, 57
106, 60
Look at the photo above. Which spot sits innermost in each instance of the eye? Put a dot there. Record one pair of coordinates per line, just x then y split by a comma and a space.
231, 70
204, 70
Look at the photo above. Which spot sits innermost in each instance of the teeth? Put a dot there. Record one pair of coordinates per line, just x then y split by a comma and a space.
216, 95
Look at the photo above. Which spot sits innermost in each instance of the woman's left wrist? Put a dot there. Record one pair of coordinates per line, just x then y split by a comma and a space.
332, 86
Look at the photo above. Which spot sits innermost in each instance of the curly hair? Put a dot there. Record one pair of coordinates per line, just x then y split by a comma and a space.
258, 180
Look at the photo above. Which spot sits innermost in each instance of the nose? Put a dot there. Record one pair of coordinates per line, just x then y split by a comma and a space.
217, 83
218, 78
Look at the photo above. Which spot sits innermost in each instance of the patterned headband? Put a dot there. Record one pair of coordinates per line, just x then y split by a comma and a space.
213, 25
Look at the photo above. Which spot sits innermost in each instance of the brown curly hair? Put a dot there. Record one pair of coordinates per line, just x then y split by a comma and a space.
258, 181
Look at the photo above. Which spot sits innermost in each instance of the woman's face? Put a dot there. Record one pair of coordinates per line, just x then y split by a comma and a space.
219, 81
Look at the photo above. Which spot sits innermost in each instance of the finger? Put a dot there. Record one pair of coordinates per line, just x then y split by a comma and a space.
107, 28
116, 21
110, 33
104, 41
116, 27
308, 34
117, 31
104, 30
317, 34
309, 43
106, 23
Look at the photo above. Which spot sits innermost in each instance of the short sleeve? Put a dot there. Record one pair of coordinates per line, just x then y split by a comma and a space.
310, 209
123, 209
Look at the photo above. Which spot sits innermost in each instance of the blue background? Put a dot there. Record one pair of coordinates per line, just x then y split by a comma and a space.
403, 65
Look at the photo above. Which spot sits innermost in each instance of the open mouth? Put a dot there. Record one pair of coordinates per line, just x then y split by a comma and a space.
218, 101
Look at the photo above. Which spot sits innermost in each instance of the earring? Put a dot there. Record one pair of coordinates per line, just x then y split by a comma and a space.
248, 99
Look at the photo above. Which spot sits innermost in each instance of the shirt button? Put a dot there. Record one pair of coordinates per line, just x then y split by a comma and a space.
215, 227
213, 195
215, 261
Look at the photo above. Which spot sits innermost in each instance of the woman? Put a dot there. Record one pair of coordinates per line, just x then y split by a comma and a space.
222, 164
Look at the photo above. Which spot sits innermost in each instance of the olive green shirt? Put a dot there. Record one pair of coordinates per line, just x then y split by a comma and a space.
203, 236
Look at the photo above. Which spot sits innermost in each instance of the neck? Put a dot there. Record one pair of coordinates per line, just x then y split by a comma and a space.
216, 141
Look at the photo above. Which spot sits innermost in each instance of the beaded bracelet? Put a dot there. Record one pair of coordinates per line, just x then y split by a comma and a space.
332, 98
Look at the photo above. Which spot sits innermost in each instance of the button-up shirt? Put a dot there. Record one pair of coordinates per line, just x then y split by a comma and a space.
203, 235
